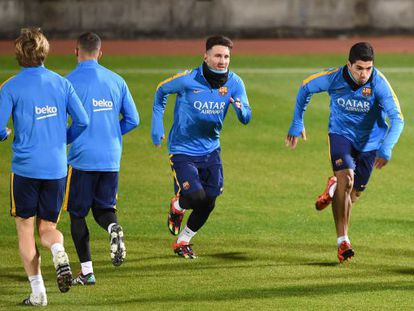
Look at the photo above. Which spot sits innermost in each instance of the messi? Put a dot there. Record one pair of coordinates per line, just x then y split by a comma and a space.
102, 103
45, 110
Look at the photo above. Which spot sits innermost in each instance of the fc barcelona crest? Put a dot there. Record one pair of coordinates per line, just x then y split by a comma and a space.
186, 185
223, 90
367, 91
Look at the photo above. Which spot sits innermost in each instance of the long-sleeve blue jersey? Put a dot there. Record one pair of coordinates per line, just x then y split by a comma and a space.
356, 112
199, 111
39, 100
105, 96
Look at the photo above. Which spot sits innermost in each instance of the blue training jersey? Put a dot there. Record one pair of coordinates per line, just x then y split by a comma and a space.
199, 111
105, 96
39, 100
357, 112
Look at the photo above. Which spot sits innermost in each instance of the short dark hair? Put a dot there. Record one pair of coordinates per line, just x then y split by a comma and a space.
361, 51
218, 40
89, 42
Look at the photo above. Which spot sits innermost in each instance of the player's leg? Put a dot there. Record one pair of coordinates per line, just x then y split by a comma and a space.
364, 164
343, 164
210, 174
187, 187
79, 196
50, 203
23, 206
104, 208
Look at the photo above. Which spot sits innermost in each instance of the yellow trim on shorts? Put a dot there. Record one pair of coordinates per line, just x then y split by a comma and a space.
175, 176
68, 179
394, 96
173, 77
317, 75
329, 149
13, 203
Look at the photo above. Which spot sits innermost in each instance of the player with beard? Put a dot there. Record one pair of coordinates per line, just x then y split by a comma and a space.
359, 137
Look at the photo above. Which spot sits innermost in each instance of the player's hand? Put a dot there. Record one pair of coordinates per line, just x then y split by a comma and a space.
236, 102
292, 141
162, 138
8, 131
380, 163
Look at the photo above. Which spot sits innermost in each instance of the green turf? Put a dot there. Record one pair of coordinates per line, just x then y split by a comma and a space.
264, 247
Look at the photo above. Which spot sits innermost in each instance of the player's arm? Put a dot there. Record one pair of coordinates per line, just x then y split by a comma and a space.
6, 107
169, 86
80, 119
390, 104
129, 112
240, 103
316, 83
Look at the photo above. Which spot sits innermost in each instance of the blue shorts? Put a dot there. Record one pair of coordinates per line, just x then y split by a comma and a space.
87, 189
36, 197
193, 173
345, 156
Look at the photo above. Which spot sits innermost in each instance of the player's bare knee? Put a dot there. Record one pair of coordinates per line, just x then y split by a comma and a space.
355, 195
349, 183
45, 226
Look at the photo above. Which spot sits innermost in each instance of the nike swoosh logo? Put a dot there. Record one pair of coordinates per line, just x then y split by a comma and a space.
197, 91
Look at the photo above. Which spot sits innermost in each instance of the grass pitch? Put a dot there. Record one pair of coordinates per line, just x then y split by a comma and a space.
264, 247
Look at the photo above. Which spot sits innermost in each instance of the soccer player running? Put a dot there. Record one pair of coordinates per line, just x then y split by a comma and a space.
359, 138
39, 101
204, 96
94, 158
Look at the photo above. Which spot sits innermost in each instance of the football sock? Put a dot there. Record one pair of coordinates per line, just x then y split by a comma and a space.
86, 267
110, 227
186, 235
177, 206
80, 237
332, 190
37, 284
341, 239
104, 217
57, 247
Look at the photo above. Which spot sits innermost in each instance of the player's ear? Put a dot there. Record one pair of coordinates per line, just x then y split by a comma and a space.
349, 64
100, 54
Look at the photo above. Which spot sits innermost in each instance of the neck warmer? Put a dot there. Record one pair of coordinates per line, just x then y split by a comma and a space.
216, 80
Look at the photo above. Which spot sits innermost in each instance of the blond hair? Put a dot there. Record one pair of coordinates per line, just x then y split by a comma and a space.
31, 47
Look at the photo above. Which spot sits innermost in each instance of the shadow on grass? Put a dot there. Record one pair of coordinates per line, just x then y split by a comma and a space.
322, 264
231, 256
276, 292
407, 271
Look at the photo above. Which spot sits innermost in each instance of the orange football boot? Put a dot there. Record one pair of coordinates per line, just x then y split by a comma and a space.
325, 198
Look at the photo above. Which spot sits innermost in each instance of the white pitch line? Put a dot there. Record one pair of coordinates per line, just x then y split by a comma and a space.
275, 71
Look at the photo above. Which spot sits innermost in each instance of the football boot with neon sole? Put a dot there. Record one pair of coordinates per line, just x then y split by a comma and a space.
326, 197
88, 279
185, 250
175, 218
345, 252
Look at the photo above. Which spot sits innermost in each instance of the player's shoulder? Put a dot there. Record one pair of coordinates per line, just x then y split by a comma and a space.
9, 83
180, 77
